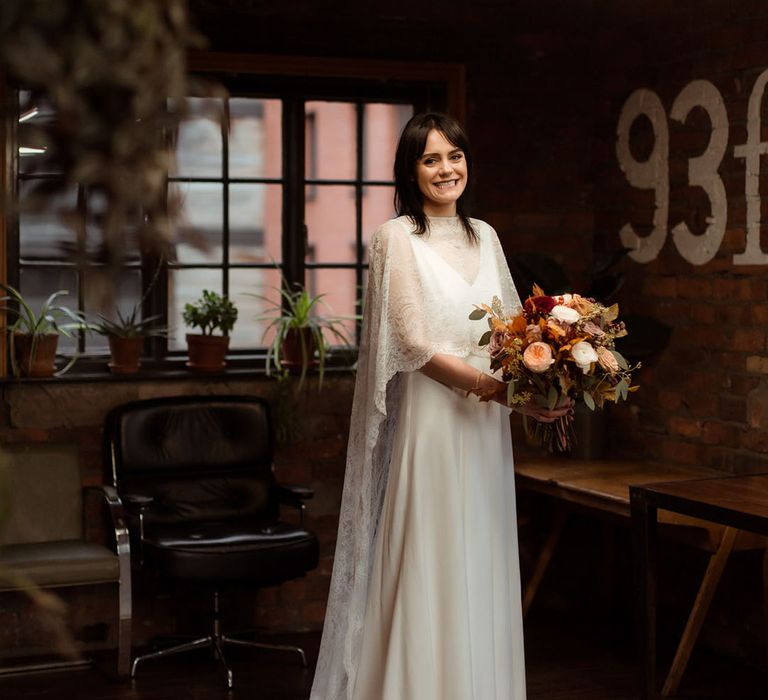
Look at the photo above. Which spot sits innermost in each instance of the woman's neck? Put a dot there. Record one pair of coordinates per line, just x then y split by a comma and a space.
442, 211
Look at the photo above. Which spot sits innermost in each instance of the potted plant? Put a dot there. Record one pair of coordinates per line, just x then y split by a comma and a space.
299, 342
34, 337
211, 312
126, 335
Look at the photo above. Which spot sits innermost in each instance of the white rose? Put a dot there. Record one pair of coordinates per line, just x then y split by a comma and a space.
565, 314
584, 355
566, 298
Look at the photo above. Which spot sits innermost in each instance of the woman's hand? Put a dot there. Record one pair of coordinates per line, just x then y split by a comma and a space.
544, 414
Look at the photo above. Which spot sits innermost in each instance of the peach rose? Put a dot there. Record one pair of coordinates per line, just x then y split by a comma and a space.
538, 357
607, 361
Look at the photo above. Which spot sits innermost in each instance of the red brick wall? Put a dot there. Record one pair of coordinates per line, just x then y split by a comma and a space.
702, 399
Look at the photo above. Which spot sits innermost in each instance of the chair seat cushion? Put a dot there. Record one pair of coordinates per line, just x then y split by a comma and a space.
216, 551
59, 563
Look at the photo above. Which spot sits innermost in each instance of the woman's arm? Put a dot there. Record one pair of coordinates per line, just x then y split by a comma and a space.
455, 372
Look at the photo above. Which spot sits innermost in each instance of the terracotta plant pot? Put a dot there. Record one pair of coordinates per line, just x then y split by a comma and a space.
291, 355
126, 352
207, 353
42, 363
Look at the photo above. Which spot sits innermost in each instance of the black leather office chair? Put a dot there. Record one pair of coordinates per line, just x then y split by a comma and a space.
196, 476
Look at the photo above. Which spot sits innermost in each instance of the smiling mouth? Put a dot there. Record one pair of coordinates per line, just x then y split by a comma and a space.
446, 184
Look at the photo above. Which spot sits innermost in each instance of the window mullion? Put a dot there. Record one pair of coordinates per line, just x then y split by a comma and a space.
294, 229
360, 176
225, 125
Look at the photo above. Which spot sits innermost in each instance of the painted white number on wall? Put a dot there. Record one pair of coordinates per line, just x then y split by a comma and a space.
654, 172
702, 171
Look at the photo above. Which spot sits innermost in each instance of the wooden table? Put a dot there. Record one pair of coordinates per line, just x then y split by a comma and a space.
601, 489
735, 502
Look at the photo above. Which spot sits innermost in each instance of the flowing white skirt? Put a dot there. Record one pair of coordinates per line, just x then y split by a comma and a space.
443, 618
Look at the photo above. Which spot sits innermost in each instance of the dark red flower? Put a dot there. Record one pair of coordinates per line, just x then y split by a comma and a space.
540, 304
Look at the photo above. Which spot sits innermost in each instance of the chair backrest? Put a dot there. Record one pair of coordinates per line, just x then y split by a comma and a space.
43, 486
198, 457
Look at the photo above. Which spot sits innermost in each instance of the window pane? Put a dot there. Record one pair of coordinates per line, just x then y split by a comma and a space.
34, 149
255, 223
98, 208
383, 124
187, 286
127, 293
378, 207
199, 140
340, 289
42, 231
200, 222
330, 217
331, 141
36, 285
255, 138
243, 284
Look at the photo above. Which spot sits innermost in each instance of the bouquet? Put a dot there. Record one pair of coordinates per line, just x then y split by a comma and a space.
557, 349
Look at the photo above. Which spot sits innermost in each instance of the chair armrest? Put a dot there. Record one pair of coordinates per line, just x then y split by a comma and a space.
290, 494
117, 516
295, 495
138, 502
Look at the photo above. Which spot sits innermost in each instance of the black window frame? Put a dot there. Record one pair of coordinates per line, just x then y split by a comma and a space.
295, 81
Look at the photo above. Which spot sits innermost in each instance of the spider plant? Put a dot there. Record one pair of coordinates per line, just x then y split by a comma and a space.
300, 329
51, 320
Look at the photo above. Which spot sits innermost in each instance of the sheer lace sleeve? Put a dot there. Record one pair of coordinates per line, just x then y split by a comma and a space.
395, 338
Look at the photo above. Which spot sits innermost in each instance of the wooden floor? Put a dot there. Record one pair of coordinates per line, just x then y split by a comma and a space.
563, 662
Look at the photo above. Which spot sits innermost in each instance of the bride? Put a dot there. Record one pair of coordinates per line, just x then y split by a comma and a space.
425, 593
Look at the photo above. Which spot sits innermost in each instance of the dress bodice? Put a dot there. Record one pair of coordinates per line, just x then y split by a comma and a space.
455, 274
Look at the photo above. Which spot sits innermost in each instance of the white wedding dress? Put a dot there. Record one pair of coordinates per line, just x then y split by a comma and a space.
425, 604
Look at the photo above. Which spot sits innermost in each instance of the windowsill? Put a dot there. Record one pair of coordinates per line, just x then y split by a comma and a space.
238, 367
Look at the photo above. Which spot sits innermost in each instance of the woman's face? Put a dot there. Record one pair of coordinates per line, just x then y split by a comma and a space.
441, 173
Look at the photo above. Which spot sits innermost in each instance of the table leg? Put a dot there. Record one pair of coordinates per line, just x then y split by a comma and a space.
544, 558
644, 521
699, 611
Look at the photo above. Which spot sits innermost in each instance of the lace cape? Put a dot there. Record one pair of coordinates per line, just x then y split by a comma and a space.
407, 321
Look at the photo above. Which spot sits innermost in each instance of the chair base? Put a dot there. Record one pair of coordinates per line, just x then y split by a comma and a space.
216, 641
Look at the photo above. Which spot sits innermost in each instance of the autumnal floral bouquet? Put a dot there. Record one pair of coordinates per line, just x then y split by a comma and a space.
554, 350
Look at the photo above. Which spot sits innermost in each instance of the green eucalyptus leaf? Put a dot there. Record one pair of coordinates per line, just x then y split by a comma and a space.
623, 388
589, 400
477, 314
485, 338
552, 397
620, 359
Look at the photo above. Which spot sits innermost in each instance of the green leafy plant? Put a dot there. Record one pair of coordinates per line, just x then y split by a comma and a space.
295, 314
211, 312
51, 319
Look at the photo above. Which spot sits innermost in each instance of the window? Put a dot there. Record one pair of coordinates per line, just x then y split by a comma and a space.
232, 187
282, 182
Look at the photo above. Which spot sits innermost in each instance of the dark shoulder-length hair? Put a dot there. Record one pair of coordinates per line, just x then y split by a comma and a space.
409, 201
